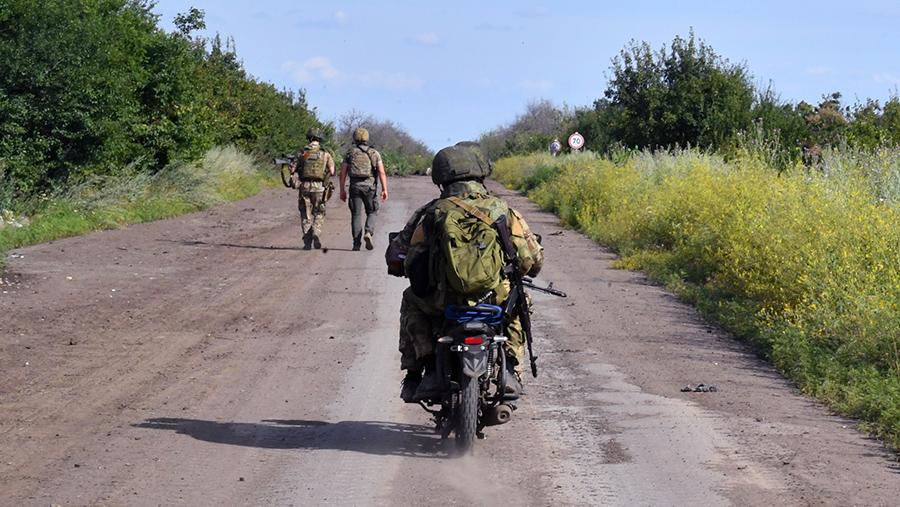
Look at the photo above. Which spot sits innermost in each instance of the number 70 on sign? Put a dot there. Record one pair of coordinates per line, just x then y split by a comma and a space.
576, 141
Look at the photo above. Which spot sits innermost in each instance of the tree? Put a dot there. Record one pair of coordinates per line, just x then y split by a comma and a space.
68, 71
826, 123
90, 87
530, 132
189, 22
779, 129
890, 118
873, 126
687, 96
401, 153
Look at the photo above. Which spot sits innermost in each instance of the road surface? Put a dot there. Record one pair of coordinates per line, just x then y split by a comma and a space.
209, 360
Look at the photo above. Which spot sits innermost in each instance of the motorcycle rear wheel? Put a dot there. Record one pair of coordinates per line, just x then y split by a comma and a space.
467, 415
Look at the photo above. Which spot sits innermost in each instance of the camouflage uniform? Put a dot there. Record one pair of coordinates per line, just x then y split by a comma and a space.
311, 202
420, 317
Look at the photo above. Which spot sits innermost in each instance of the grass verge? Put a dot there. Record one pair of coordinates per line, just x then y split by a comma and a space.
800, 261
223, 175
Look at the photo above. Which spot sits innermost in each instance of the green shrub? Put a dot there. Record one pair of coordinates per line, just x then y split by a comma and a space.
799, 260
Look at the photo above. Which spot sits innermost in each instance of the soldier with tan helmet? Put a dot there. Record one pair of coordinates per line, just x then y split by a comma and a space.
312, 171
363, 164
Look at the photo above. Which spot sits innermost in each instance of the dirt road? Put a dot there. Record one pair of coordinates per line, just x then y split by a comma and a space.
208, 360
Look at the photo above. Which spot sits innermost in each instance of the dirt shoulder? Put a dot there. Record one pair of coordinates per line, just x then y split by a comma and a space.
209, 360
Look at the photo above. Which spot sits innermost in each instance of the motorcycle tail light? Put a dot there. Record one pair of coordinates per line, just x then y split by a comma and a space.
474, 340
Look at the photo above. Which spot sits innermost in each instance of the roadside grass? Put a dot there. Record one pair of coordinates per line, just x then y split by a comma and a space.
223, 175
800, 261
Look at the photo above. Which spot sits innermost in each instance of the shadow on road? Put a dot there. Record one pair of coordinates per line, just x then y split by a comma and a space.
232, 245
258, 247
370, 437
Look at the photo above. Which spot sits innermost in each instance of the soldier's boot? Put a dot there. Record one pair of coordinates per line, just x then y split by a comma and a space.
429, 387
316, 243
410, 385
307, 243
370, 242
513, 377
431, 383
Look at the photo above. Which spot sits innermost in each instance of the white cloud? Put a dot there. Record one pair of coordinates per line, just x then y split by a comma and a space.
886, 78
341, 17
543, 84
317, 67
320, 68
427, 38
323, 66
392, 81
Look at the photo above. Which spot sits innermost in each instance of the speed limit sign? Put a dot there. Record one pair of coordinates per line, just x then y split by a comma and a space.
576, 141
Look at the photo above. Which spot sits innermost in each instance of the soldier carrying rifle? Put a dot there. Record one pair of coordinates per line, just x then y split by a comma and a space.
424, 252
311, 172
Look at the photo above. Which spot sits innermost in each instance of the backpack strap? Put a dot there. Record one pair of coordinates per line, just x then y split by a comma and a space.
477, 213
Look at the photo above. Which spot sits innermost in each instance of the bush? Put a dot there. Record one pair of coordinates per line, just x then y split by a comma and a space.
800, 261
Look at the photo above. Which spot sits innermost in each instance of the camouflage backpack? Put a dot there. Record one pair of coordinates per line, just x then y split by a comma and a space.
313, 164
466, 255
361, 164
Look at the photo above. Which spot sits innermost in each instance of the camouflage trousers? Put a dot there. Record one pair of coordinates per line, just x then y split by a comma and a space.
312, 209
421, 318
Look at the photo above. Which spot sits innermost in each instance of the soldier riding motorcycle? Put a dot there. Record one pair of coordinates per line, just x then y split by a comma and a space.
465, 318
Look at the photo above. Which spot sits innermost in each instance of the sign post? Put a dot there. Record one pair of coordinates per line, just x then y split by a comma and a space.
576, 141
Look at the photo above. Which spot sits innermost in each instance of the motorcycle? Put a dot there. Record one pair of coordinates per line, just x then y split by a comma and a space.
471, 366
469, 358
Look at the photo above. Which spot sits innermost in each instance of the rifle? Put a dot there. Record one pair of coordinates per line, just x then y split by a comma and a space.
516, 300
528, 282
286, 161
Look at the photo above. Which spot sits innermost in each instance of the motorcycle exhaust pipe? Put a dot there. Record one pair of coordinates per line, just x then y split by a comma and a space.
499, 414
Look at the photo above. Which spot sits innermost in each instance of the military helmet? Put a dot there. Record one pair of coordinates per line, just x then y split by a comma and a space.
315, 134
463, 161
361, 135
480, 153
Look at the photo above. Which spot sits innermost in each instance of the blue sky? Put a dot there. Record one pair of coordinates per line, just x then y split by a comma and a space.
449, 71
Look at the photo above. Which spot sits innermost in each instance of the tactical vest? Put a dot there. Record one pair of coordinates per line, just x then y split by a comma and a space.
313, 163
360, 164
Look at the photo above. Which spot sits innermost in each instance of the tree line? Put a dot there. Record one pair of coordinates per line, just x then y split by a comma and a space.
95, 88
402, 154
92, 87
688, 96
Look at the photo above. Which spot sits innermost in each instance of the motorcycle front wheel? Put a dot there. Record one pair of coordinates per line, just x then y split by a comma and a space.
467, 415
